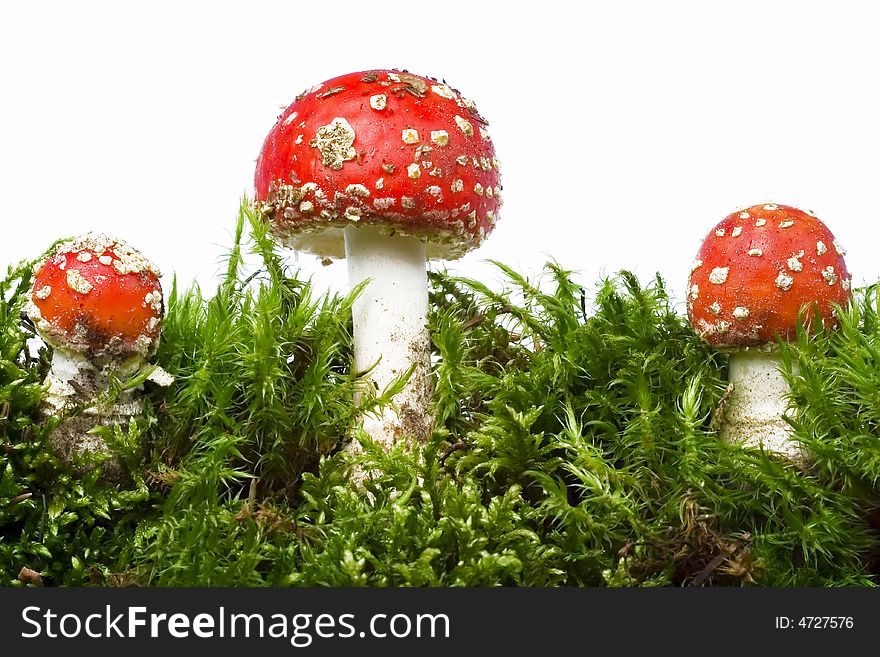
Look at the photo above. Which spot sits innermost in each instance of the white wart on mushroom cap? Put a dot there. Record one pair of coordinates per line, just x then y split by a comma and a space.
758, 269
383, 148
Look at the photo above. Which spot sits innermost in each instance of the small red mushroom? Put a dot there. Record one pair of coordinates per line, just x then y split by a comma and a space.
100, 297
385, 168
758, 273
98, 303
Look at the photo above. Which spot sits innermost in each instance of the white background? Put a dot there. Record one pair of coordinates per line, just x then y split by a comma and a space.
625, 130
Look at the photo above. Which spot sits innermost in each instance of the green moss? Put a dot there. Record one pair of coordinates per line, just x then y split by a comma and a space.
576, 445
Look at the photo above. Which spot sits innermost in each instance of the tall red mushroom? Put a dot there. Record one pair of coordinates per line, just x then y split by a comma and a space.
757, 272
98, 303
385, 168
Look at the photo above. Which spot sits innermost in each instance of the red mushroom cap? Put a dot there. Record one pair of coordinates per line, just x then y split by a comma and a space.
98, 296
380, 147
757, 269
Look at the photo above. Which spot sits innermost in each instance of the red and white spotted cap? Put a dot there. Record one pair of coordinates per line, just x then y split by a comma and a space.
758, 269
382, 148
98, 296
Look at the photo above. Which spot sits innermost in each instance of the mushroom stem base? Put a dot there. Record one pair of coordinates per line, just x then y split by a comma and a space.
757, 404
75, 386
391, 329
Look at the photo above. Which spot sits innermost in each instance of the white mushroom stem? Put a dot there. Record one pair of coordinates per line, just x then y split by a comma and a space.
69, 371
758, 401
74, 381
391, 329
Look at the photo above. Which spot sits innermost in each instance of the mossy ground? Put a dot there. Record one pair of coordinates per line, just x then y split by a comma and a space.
576, 445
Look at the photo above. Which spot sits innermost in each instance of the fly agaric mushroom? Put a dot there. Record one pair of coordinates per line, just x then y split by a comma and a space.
386, 169
757, 274
98, 303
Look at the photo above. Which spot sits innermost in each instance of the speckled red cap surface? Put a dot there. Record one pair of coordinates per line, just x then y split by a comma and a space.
756, 271
98, 296
385, 148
